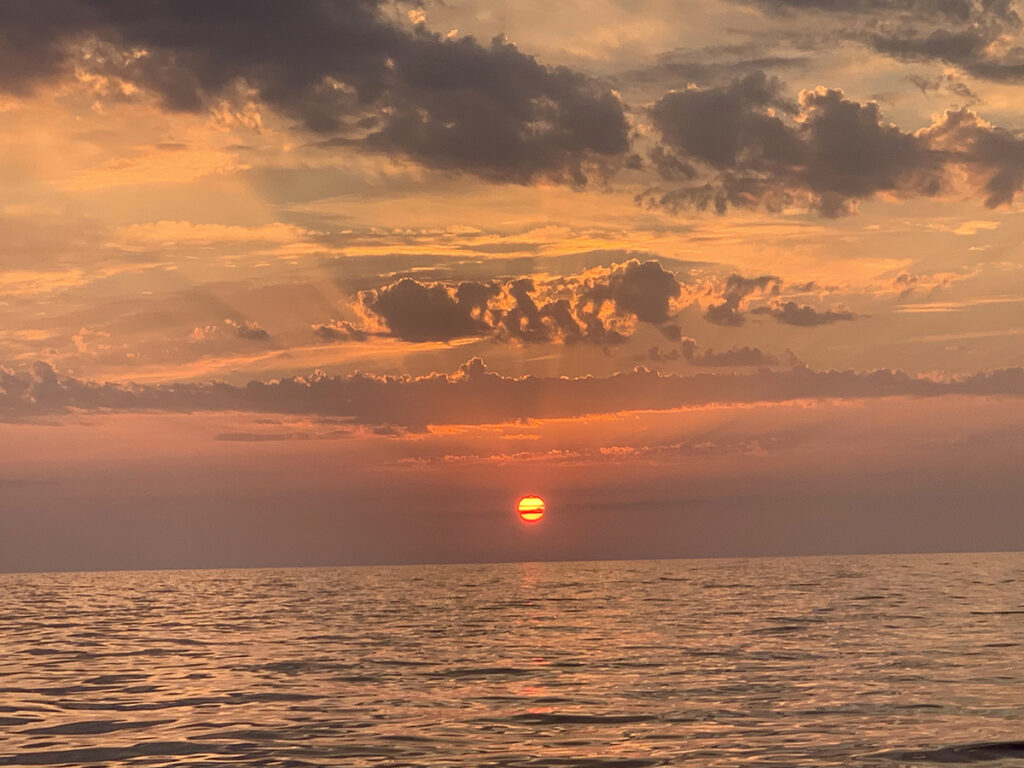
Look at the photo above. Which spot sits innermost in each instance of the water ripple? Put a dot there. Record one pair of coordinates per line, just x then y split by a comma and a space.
853, 661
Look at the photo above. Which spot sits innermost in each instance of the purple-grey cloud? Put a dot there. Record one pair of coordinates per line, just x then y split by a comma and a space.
567, 310
339, 67
473, 394
746, 145
728, 309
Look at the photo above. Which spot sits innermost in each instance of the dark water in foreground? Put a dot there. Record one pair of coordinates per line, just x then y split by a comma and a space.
803, 661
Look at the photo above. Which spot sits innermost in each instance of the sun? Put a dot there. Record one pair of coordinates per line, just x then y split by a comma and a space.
531, 509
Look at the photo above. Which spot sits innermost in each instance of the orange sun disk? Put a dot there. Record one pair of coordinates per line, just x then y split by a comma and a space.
531, 508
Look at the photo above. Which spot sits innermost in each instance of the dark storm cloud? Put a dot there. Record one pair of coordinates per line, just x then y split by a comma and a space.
339, 68
792, 313
472, 395
745, 145
566, 310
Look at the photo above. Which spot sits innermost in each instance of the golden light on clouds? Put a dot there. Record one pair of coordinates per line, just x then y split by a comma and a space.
455, 243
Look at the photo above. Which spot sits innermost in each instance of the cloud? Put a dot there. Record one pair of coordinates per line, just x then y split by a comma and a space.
968, 49
733, 296
993, 156
413, 311
948, 83
339, 330
343, 70
658, 355
247, 329
968, 34
473, 394
792, 313
735, 357
85, 341
756, 148
904, 284
940, 10
712, 64
202, 333
259, 437
281, 436
552, 320
719, 125
599, 306
641, 289
759, 445
745, 145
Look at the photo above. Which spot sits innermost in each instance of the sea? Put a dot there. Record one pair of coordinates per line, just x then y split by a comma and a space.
812, 661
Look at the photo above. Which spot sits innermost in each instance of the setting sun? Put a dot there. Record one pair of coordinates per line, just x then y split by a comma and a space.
531, 508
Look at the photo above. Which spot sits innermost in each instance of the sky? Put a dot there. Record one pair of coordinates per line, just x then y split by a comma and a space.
337, 282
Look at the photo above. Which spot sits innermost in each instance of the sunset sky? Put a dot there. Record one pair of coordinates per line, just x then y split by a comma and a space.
313, 282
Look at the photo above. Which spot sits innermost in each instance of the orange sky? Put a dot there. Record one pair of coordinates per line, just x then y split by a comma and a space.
248, 255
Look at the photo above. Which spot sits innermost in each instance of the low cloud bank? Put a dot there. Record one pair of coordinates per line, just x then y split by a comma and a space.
472, 394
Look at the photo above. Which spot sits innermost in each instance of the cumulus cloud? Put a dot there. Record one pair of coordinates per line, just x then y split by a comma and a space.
600, 306
339, 67
830, 150
473, 394
414, 311
746, 145
645, 290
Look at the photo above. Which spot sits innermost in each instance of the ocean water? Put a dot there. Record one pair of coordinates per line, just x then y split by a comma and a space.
840, 661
